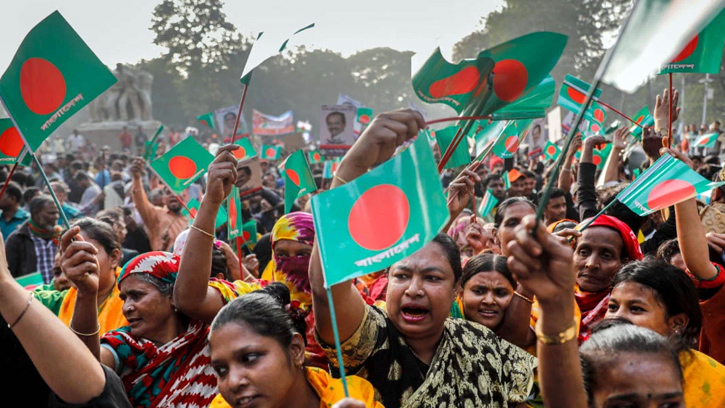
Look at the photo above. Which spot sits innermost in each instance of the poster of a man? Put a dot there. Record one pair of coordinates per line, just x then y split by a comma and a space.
536, 137
249, 178
226, 118
337, 133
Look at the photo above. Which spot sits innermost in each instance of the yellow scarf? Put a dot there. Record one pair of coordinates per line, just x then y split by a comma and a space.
110, 313
704, 380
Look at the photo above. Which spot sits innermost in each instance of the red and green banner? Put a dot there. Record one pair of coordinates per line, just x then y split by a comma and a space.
194, 204
460, 156
234, 209
381, 217
530, 106
551, 151
246, 149
644, 119
182, 165
667, 182
330, 167
271, 152
52, 76
207, 119
488, 203
703, 53
298, 179
315, 157
707, 140
518, 66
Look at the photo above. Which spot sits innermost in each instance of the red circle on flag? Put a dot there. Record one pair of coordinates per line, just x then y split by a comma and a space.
509, 79
639, 120
669, 191
240, 153
316, 156
599, 115
704, 141
364, 119
597, 160
512, 143
293, 176
575, 95
42, 86
271, 152
551, 150
462, 82
688, 50
595, 127
182, 167
379, 217
246, 235
233, 214
10, 142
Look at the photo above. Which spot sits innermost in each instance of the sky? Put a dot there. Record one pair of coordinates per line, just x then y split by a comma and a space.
118, 31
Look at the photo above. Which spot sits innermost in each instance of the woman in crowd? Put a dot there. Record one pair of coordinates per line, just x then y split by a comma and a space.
103, 254
411, 352
662, 298
258, 353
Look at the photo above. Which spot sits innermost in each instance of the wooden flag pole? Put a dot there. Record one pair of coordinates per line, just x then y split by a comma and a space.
239, 114
10, 175
433, 122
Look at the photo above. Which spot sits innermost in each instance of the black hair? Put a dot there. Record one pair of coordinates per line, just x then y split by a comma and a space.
37, 203
81, 175
668, 249
453, 254
265, 311
30, 193
564, 225
672, 288
529, 174
77, 165
487, 263
219, 264
556, 192
342, 116
21, 178
263, 250
234, 115
491, 177
13, 190
616, 337
501, 212
99, 231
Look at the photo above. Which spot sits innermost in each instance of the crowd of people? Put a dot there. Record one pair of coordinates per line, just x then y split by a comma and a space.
498, 310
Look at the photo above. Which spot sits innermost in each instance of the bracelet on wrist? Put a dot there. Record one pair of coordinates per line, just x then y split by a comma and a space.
568, 334
70, 326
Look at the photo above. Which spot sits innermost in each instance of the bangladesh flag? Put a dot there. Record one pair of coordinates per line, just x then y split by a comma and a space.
595, 128
381, 217
234, 207
271, 152
364, 116
668, 181
533, 105
52, 76
488, 203
551, 151
207, 119
518, 66
707, 140
11, 144
246, 150
488, 135
644, 119
194, 204
600, 156
298, 179
330, 167
572, 95
182, 165
249, 233
507, 143
460, 156
315, 157
150, 147
703, 53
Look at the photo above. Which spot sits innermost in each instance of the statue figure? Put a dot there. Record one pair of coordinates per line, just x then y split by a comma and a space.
129, 99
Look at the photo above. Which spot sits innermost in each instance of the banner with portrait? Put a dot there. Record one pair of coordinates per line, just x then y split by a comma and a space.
225, 119
267, 125
337, 131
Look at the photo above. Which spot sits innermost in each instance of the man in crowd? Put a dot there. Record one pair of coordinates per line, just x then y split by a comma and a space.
75, 141
556, 207
92, 199
61, 193
12, 216
32, 247
126, 139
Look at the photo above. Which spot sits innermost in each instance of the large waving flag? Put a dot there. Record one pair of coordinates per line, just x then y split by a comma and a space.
518, 66
182, 165
298, 179
644, 119
52, 76
268, 44
460, 156
267, 125
381, 217
703, 53
533, 105
656, 31
668, 181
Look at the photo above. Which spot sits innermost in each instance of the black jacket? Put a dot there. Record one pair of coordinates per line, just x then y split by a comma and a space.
20, 251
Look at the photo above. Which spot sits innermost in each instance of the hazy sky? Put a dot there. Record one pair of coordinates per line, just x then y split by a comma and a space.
118, 31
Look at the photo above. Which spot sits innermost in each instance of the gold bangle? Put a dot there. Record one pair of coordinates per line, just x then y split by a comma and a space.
27, 306
70, 326
202, 231
568, 334
338, 178
524, 297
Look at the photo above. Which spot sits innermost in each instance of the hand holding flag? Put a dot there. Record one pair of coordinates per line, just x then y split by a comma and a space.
222, 175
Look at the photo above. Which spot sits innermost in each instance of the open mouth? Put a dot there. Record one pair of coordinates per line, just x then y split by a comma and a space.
488, 313
413, 313
246, 402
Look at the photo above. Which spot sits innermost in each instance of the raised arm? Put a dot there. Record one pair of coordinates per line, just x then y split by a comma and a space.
543, 264
586, 193
192, 294
611, 168
376, 145
65, 364
565, 177
138, 195
459, 193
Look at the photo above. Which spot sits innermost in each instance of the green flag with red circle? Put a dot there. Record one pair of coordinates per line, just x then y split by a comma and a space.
460, 156
532, 105
518, 66
330, 167
707, 140
246, 150
644, 119
667, 182
271, 152
315, 157
703, 54
11, 144
182, 165
234, 211
207, 119
380, 217
600, 154
572, 95
507, 143
194, 204
52, 76
249, 233
488, 203
551, 151
298, 179
364, 116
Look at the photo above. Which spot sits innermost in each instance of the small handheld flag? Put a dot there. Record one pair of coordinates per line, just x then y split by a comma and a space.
707, 140
330, 167
488, 203
551, 151
298, 179
315, 157
207, 119
270, 152
182, 165
643, 119
245, 150
234, 208
249, 233
460, 156
192, 207
150, 147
